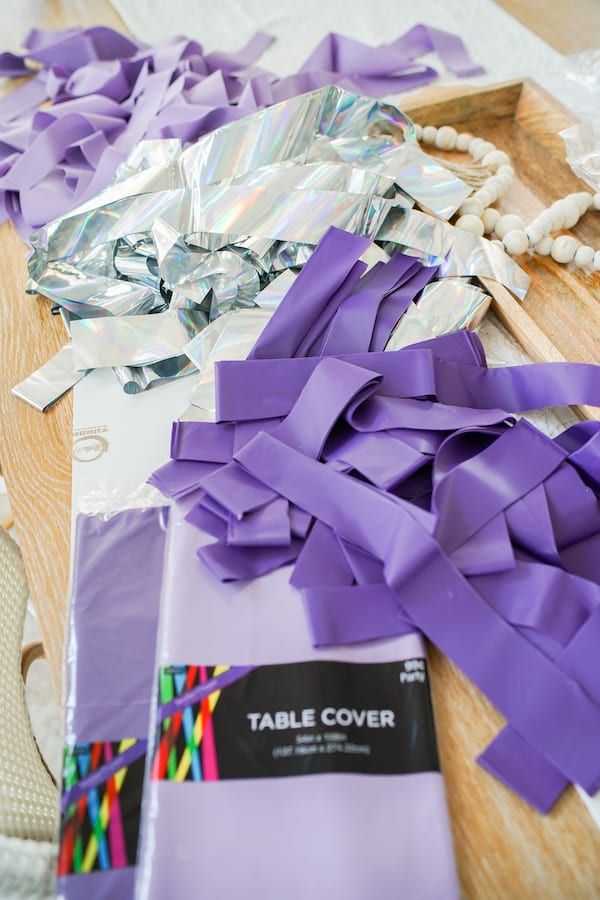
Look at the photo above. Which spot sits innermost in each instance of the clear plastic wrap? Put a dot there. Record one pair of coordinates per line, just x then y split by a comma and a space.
582, 142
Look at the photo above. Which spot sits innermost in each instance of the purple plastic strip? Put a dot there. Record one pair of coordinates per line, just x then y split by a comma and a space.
397, 303
516, 763
321, 561
202, 441
267, 526
242, 563
171, 90
331, 263
352, 326
269, 388
177, 478
447, 609
342, 615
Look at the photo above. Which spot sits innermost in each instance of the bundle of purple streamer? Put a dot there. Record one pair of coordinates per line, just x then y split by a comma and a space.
108, 92
408, 496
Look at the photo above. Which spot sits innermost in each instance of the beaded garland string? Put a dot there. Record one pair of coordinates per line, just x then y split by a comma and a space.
493, 180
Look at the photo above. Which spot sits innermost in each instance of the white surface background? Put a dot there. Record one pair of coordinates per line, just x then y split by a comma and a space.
495, 39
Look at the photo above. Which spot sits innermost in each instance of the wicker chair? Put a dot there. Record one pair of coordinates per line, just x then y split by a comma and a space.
28, 797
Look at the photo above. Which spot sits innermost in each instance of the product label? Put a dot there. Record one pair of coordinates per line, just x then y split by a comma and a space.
100, 804
303, 718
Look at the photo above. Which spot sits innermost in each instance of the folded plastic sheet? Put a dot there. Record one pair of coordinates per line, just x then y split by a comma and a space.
319, 767
117, 569
431, 507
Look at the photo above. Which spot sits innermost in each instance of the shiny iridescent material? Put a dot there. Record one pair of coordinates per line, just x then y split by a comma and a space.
207, 229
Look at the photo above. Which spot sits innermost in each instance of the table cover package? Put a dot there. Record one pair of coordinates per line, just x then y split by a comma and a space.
117, 568
278, 770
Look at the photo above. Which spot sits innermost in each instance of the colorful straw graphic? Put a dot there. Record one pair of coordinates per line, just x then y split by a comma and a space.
190, 710
93, 829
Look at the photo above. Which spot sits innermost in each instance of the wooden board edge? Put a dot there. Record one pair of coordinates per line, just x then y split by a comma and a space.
457, 104
530, 85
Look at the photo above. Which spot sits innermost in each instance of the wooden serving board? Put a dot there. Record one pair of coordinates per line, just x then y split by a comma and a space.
560, 317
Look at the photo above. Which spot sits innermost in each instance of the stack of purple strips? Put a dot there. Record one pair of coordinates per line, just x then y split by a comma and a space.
407, 496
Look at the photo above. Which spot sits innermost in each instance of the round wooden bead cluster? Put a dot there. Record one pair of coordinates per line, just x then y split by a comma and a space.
478, 216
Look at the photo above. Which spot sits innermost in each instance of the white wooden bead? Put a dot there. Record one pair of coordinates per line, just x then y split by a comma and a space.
508, 223
429, 134
584, 200
471, 223
418, 131
506, 183
545, 220
596, 263
463, 140
558, 217
485, 196
563, 248
596, 202
482, 150
506, 170
474, 145
584, 256
489, 219
471, 207
497, 183
534, 232
489, 188
544, 246
445, 139
496, 158
515, 242
570, 211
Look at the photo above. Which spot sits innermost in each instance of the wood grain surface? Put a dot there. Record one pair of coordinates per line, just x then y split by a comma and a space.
567, 25
504, 849
560, 317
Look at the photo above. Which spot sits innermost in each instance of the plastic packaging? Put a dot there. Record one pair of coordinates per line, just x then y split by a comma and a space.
115, 590
582, 142
278, 770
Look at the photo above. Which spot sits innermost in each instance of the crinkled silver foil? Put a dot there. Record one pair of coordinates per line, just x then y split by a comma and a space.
184, 238
271, 296
130, 340
48, 384
135, 379
443, 307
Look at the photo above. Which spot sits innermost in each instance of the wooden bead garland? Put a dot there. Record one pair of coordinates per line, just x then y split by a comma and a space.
477, 215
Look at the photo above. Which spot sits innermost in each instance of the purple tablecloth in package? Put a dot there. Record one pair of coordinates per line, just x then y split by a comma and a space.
115, 593
279, 770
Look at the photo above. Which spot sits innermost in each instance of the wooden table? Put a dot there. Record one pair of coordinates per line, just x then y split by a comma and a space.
504, 849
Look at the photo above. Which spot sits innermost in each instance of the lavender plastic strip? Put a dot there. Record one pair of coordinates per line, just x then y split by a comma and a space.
441, 604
